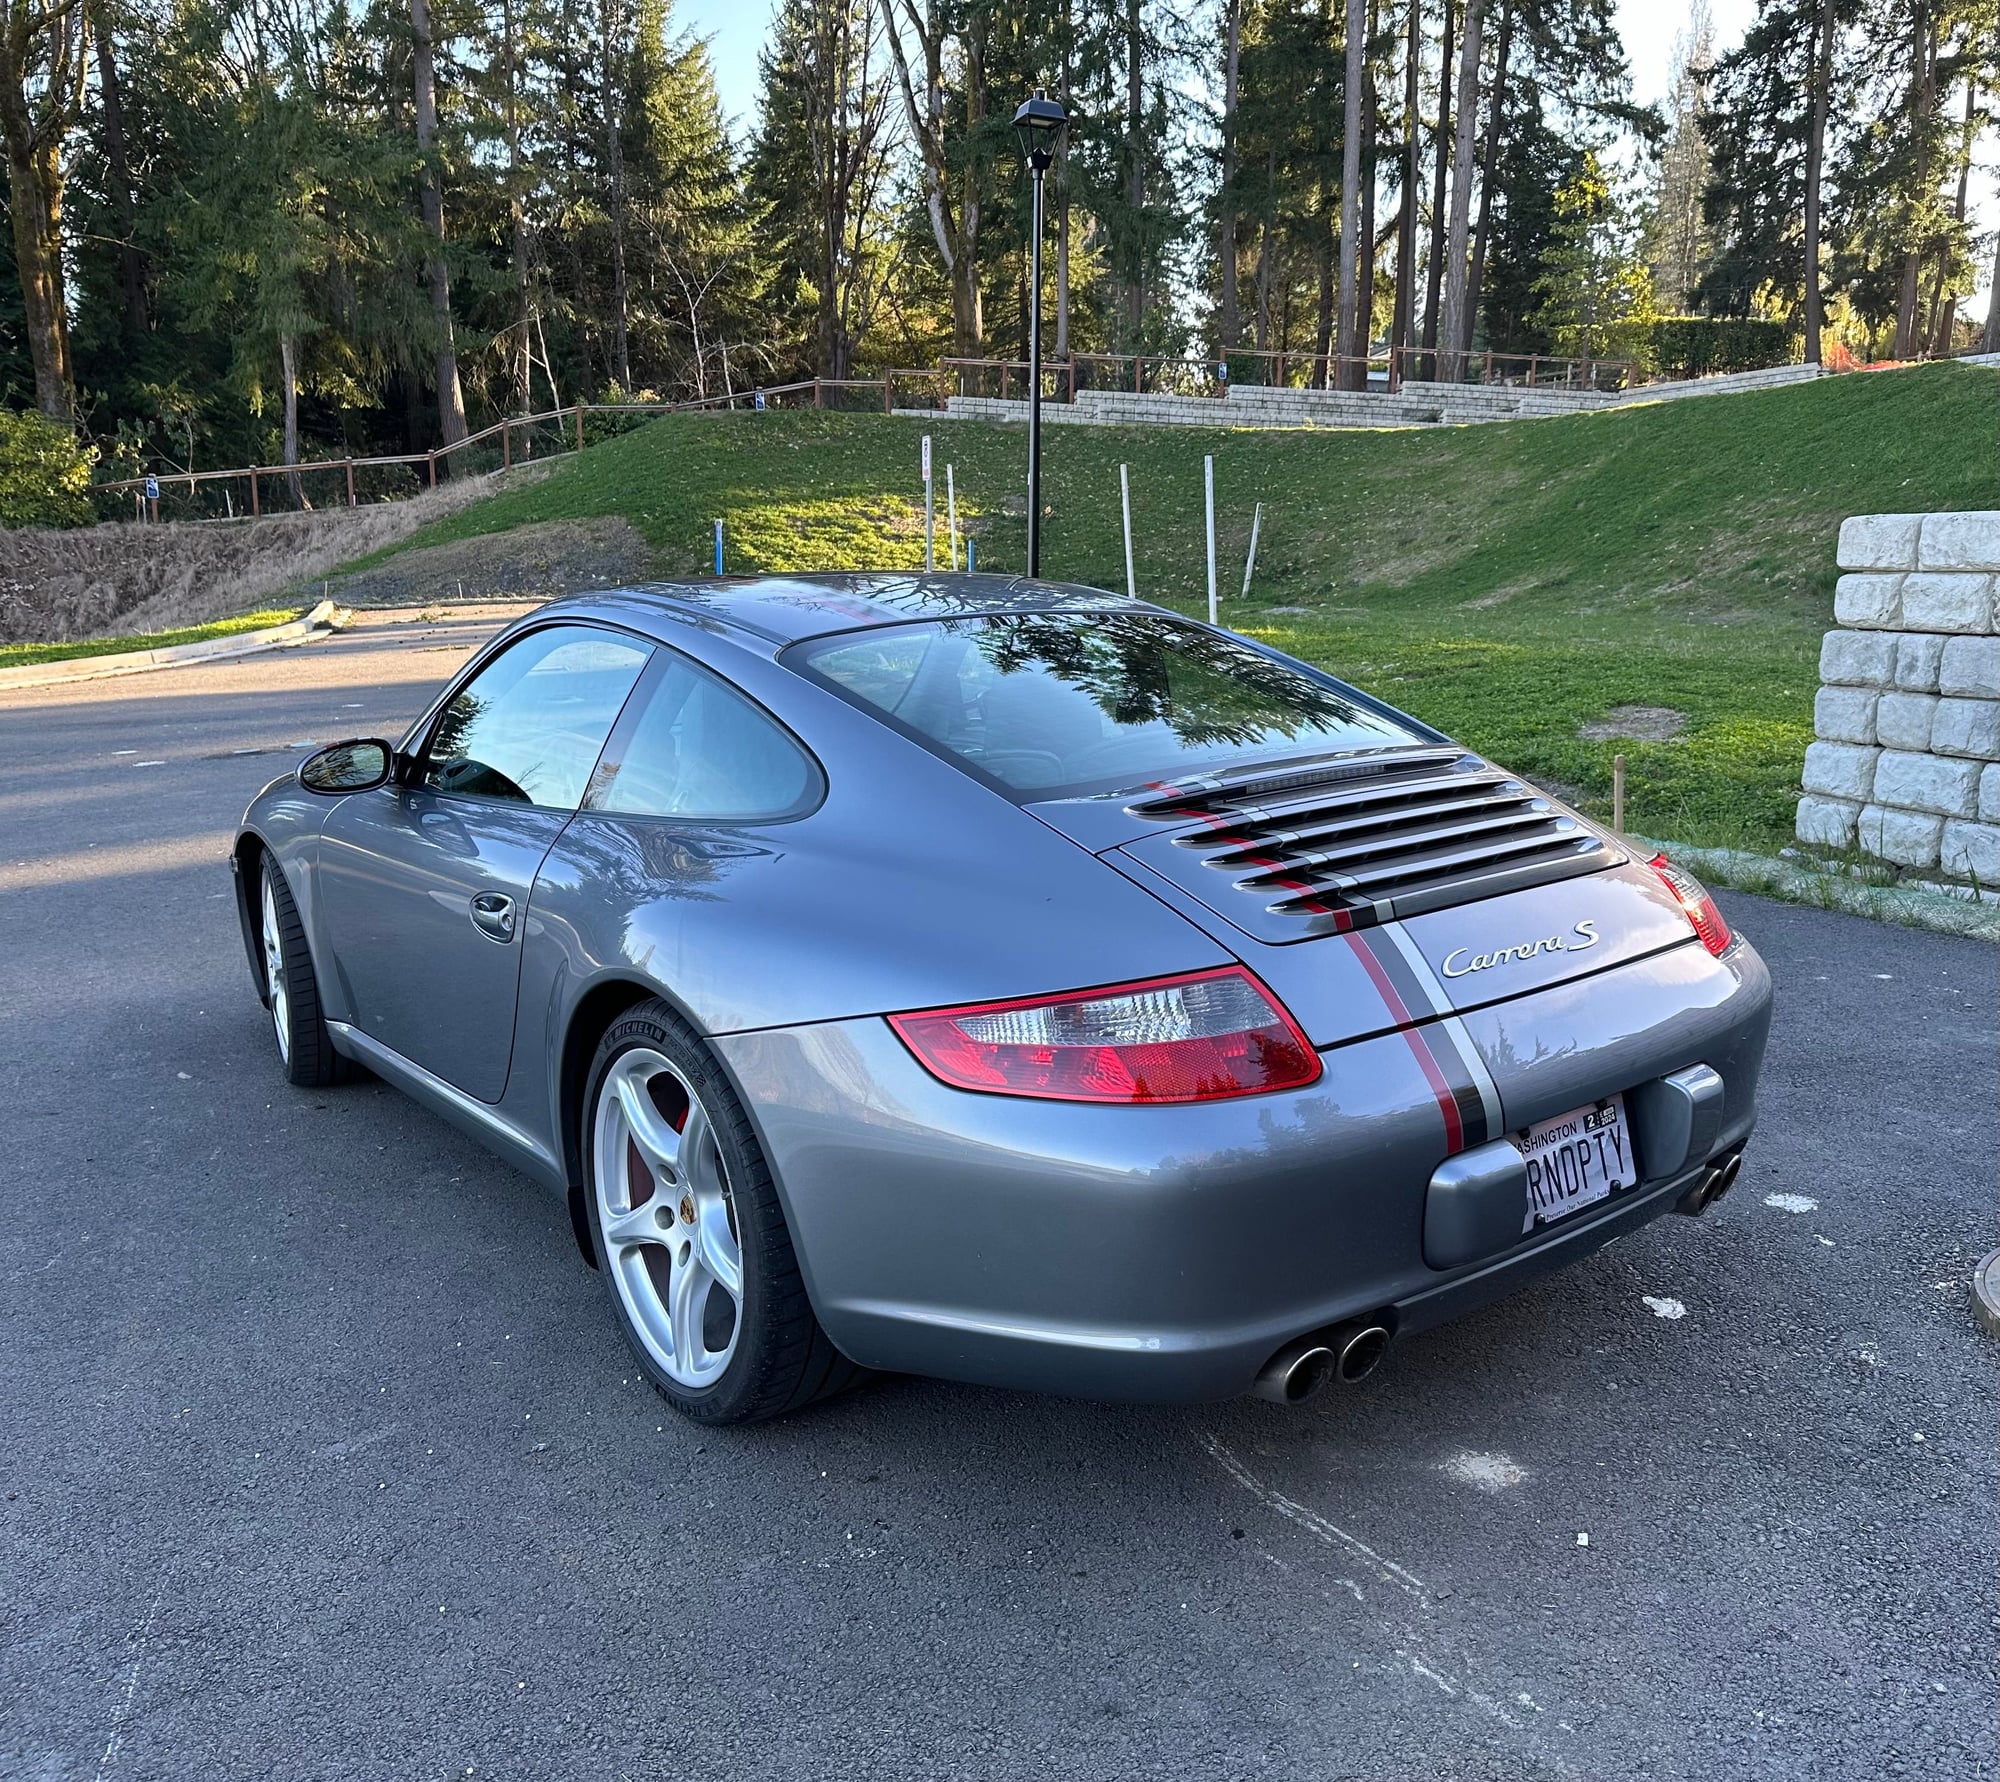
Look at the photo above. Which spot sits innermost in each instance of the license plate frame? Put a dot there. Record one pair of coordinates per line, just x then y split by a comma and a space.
1575, 1160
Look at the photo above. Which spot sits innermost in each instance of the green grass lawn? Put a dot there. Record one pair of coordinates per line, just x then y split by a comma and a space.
18, 654
1507, 582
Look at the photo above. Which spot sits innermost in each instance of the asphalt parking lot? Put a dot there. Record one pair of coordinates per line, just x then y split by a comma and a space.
322, 1457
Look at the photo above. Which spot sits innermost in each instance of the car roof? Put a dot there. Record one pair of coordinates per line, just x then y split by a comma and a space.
784, 608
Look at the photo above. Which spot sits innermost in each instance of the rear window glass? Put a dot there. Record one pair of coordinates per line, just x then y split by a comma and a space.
700, 751
1051, 704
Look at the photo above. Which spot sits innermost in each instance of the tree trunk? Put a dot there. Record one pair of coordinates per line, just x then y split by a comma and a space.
968, 312
35, 199
1489, 158
451, 401
118, 175
612, 29
1440, 176
1351, 109
1456, 328
1230, 319
1989, 342
957, 237
1364, 284
1947, 321
1062, 204
1323, 329
1135, 149
288, 371
1266, 252
520, 356
1403, 327
1921, 99
1822, 82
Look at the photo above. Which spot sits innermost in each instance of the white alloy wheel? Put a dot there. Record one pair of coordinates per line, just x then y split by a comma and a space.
274, 973
667, 1217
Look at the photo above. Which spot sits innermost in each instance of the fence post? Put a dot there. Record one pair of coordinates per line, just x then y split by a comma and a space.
579, 426
1138, 374
888, 395
1534, 359
434, 469
1072, 378
256, 506
819, 401
350, 482
506, 444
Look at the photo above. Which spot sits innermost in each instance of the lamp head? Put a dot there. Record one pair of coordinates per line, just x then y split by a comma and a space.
1038, 127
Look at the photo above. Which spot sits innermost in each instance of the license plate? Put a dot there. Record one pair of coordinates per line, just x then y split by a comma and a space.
1576, 1160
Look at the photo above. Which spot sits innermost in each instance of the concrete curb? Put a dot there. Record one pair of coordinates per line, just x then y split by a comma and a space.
1986, 1293
324, 617
1735, 870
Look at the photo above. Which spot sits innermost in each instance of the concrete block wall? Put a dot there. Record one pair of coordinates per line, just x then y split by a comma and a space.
1906, 765
1415, 405
1772, 377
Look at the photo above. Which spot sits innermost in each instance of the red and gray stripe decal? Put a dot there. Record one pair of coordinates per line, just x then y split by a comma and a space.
1467, 1097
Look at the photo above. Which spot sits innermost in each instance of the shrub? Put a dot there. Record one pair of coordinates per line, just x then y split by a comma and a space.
1695, 346
44, 473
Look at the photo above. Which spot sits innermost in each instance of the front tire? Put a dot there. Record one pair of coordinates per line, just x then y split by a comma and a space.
291, 989
689, 1234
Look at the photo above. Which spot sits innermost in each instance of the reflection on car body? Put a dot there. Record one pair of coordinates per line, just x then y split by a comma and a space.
999, 980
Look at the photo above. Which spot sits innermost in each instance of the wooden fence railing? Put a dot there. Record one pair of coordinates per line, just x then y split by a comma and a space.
520, 438
516, 437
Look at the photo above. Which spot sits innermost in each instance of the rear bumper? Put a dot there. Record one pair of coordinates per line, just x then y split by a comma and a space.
1166, 1253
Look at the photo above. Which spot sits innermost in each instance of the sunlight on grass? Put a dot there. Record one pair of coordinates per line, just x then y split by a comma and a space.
21, 654
1507, 583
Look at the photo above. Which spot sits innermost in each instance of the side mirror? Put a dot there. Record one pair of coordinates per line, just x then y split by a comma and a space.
348, 767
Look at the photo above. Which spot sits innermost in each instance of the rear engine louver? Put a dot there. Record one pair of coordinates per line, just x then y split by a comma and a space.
1367, 839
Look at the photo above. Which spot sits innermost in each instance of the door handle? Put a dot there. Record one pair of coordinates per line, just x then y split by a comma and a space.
493, 915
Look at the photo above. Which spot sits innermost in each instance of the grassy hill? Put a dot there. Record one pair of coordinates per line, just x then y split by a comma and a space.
1509, 583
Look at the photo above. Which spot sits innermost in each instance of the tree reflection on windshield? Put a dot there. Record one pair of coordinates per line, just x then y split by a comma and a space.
1205, 688
1062, 702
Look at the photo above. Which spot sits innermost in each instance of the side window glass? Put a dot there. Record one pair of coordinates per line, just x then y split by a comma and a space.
699, 749
529, 726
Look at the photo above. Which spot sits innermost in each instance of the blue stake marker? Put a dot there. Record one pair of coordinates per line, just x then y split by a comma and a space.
718, 547
969, 547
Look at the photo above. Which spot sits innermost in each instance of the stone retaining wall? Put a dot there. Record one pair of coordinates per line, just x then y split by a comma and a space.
1415, 405
1907, 762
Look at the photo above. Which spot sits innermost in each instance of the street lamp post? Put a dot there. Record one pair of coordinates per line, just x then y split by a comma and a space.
1038, 126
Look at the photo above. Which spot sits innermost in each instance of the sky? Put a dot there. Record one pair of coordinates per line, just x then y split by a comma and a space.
735, 30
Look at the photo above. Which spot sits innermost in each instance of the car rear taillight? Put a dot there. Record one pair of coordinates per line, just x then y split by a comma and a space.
1692, 895
1199, 1037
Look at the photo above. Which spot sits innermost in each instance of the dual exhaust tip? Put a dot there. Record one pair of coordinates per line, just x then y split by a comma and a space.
1713, 1186
1349, 1353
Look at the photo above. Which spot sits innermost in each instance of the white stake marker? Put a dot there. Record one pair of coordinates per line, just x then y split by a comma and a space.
1125, 498
1250, 562
951, 513
930, 512
1208, 480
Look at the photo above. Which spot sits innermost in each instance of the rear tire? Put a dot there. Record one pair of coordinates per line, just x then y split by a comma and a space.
291, 989
689, 1234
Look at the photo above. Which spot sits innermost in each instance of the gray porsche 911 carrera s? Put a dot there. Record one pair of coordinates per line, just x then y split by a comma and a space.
999, 980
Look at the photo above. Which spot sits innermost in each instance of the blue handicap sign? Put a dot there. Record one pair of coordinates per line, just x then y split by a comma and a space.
152, 488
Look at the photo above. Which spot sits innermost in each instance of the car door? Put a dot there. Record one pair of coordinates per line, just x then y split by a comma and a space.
424, 884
